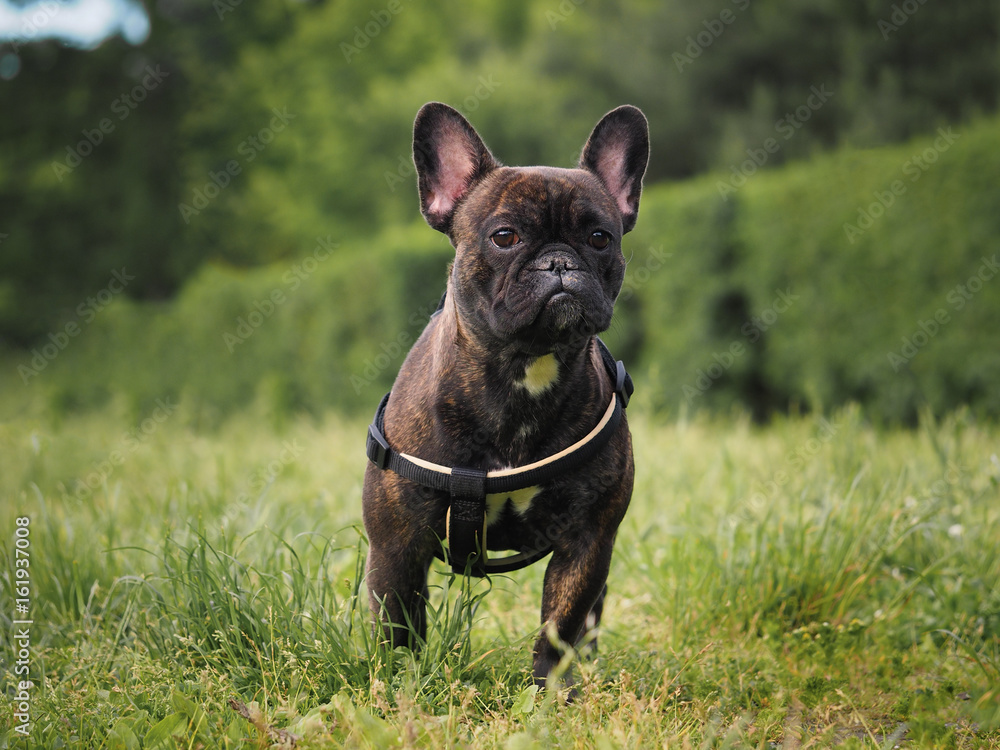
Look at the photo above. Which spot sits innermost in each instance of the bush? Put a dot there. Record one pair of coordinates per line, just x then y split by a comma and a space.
327, 330
860, 276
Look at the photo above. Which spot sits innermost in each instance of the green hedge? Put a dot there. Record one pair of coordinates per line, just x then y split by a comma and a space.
778, 294
835, 280
327, 330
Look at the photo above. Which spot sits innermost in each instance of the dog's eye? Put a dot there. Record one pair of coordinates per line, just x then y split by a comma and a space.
599, 240
504, 238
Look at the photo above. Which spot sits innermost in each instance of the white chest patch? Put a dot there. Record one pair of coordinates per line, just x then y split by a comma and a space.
540, 375
519, 499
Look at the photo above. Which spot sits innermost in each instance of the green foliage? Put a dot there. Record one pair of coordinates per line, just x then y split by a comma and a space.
283, 337
715, 78
798, 290
817, 284
87, 181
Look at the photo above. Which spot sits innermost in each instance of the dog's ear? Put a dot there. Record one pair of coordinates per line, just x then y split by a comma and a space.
617, 152
450, 158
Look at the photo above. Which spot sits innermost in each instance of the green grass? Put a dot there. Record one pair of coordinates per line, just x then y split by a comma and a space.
809, 584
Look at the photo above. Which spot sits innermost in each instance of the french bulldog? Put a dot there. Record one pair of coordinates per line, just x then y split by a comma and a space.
510, 373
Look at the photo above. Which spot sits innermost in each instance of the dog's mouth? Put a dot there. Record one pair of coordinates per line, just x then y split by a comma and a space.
562, 319
562, 311
547, 311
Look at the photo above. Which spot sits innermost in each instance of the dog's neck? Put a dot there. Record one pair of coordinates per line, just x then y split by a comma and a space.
517, 399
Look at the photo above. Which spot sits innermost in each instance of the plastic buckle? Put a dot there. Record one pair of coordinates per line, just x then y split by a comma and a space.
623, 383
377, 448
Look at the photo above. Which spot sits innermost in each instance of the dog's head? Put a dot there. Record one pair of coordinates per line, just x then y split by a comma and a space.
538, 249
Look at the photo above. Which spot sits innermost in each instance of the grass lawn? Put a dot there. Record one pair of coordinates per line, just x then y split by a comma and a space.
814, 583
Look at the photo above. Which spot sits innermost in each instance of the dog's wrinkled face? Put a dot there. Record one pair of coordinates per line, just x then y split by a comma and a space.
539, 259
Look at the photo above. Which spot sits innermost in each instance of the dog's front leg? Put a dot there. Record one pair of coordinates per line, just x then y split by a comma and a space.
400, 550
397, 595
574, 589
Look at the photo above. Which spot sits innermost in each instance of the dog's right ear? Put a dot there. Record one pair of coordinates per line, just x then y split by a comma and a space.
450, 158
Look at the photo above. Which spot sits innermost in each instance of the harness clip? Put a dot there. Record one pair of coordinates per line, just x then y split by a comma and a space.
623, 383
377, 447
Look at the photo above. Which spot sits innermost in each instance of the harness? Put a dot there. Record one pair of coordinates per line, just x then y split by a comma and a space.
467, 488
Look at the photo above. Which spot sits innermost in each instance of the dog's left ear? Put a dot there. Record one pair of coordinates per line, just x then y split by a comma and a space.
450, 158
617, 152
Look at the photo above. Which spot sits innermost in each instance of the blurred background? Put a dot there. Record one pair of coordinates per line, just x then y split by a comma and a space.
214, 202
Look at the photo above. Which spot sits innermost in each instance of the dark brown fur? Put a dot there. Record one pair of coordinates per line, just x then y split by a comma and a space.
459, 398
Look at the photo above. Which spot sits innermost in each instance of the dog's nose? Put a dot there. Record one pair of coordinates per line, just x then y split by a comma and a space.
558, 263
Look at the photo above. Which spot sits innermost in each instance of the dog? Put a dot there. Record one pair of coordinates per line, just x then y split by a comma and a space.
505, 428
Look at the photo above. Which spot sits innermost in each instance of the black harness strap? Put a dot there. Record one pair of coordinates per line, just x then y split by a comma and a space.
468, 488
466, 525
